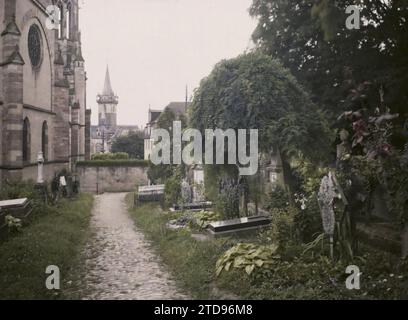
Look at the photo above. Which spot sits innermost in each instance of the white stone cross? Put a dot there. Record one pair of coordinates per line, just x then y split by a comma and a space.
40, 162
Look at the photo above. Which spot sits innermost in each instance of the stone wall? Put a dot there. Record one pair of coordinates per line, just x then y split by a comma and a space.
96, 179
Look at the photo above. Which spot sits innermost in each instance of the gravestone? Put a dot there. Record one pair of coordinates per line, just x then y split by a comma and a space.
150, 194
236, 226
18, 208
198, 206
186, 195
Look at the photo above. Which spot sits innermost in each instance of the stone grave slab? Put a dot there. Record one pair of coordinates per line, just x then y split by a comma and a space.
227, 227
150, 194
198, 206
18, 208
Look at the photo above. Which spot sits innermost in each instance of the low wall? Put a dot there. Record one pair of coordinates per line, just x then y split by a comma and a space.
100, 179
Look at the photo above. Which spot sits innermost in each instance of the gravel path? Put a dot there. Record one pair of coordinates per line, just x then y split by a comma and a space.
120, 263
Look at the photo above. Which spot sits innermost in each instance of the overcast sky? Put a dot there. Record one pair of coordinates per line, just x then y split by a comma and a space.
155, 48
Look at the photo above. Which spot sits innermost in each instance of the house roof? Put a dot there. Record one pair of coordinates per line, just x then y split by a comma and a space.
118, 132
178, 108
154, 115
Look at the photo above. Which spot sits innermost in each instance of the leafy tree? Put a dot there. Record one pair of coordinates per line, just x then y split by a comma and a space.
254, 91
132, 144
311, 39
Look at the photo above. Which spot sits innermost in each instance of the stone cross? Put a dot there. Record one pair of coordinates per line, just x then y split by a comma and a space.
40, 162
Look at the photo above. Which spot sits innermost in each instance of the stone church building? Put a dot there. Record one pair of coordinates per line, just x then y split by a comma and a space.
42, 89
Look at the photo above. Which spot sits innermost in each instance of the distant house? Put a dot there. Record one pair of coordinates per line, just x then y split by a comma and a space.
179, 108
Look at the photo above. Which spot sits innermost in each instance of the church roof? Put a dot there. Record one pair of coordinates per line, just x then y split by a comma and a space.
178, 108
107, 88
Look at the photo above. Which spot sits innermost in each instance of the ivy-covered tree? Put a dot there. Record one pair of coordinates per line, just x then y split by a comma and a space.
254, 91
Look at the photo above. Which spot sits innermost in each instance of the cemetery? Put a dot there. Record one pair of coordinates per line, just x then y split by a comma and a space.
284, 169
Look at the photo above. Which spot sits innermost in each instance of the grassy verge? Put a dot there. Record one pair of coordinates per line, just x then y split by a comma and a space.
56, 237
191, 262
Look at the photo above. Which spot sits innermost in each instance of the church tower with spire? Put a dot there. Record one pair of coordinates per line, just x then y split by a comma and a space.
107, 105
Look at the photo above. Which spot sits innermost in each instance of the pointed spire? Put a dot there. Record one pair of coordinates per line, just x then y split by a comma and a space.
107, 89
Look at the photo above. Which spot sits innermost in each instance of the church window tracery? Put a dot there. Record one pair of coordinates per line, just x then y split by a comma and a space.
34, 46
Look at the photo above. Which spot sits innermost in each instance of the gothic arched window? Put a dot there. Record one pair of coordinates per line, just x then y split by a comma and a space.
26, 141
34, 46
44, 140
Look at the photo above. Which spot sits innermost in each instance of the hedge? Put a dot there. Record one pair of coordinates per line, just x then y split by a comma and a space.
113, 163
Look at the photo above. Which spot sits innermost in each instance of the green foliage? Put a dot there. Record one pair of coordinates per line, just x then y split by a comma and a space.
110, 156
55, 236
113, 163
254, 91
13, 224
373, 160
282, 231
308, 222
158, 174
24, 189
132, 144
18, 190
203, 218
287, 274
309, 35
172, 190
278, 199
227, 203
191, 262
247, 257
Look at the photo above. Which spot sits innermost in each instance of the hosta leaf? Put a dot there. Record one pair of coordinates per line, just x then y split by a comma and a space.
219, 270
259, 263
239, 262
250, 269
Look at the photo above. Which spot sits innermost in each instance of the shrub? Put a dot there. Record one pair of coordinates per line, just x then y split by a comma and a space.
248, 257
113, 163
227, 203
111, 156
203, 218
13, 224
278, 199
308, 222
18, 190
282, 230
172, 189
